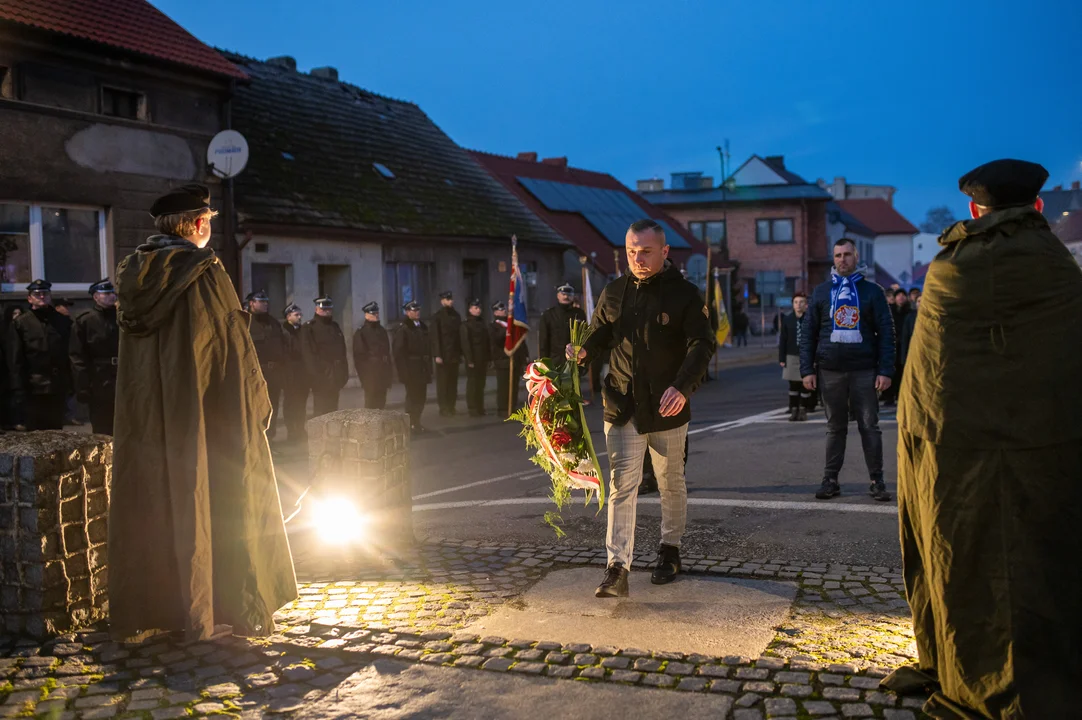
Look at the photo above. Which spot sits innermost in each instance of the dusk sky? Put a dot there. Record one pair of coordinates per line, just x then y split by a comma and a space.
911, 94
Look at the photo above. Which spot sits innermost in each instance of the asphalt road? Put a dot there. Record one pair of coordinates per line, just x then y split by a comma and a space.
751, 482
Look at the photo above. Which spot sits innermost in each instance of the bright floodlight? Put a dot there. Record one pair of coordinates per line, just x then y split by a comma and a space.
337, 520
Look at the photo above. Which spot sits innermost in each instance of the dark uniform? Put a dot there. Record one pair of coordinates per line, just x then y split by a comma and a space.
39, 368
9, 414
324, 349
502, 363
272, 349
477, 350
372, 358
297, 385
555, 332
413, 361
94, 349
447, 346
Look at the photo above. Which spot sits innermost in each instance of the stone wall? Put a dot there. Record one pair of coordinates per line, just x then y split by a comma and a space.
367, 453
54, 501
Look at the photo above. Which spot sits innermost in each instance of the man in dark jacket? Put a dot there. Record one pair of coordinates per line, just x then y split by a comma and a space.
272, 349
658, 329
477, 351
94, 351
447, 352
372, 358
900, 310
324, 348
989, 462
792, 327
295, 401
848, 354
413, 361
505, 392
39, 367
555, 330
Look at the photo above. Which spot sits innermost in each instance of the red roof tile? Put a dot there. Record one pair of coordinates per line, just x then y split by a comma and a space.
574, 226
133, 25
879, 216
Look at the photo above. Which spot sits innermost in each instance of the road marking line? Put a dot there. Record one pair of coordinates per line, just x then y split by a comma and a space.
819, 421
513, 476
715, 502
722, 427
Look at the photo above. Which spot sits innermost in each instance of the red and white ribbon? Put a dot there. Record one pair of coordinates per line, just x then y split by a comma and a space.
541, 388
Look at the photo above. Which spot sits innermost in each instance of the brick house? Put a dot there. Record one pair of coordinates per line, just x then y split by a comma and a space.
103, 107
593, 210
765, 218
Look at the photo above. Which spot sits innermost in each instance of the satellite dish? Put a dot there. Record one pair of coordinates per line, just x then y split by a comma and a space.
227, 154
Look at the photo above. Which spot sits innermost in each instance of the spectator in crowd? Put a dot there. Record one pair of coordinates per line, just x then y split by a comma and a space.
792, 327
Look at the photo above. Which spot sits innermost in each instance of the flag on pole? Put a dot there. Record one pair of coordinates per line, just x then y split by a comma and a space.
587, 295
722, 332
517, 325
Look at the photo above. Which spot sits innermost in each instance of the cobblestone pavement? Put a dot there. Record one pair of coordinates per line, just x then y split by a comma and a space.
848, 628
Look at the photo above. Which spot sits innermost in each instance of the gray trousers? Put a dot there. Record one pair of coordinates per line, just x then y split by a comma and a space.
842, 390
627, 448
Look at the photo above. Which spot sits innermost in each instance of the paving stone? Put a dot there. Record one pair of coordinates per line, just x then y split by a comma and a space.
499, 652
470, 661
182, 698
670, 656
594, 673
95, 701
748, 699
857, 710
890, 714
139, 705
557, 658
493, 640
207, 708
634, 653
498, 664
576, 648
298, 673
865, 683
759, 686
470, 649
692, 684
746, 673
169, 713
261, 680
560, 671
830, 679
437, 658
793, 677
779, 706
529, 655
819, 707
837, 693
658, 680
585, 659
770, 663
718, 671
679, 668
647, 665
843, 668
148, 694
616, 663
99, 713
793, 690
880, 698
746, 714
728, 686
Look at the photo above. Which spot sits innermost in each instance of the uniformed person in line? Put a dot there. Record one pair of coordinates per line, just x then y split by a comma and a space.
447, 351
271, 346
477, 351
10, 414
555, 333
502, 363
39, 368
413, 361
296, 385
95, 339
324, 349
372, 358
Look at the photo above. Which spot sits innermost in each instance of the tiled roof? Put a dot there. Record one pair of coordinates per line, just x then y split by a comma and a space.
739, 194
319, 149
573, 225
837, 214
878, 215
1069, 227
777, 164
1057, 202
133, 25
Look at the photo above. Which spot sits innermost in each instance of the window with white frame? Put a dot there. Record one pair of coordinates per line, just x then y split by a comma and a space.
63, 244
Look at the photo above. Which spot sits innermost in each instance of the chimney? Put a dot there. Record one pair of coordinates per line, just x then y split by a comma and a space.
1057, 188
777, 161
283, 61
1074, 185
838, 190
527, 156
556, 161
327, 73
651, 185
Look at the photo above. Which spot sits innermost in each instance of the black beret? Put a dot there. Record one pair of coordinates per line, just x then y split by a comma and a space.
411, 305
446, 295
324, 302
1003, 183
187, 198
291, 308
372, 307
39, 286
102, 286
497, 306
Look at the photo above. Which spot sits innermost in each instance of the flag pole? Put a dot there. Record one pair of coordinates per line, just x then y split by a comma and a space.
708, 249
593, 390
510, 321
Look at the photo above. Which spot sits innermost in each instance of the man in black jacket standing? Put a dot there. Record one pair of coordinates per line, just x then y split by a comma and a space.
447, 352
272, 349
39, 367
848, 354
412, 359
324, 348
94, 348
295, 400
658, 329
555, 331
502, 362
477, 350
372, 358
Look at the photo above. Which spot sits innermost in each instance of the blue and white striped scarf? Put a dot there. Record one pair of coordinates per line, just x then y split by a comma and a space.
845, 308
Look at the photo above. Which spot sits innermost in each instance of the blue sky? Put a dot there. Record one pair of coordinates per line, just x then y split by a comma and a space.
911, 94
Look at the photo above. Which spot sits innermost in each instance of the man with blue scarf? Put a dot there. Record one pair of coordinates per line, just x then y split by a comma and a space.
848, 354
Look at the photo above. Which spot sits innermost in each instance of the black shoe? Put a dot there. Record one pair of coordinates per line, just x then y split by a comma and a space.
648, 486
802, 415
794, 414
615, 582
829, 489
668, 565
879, 491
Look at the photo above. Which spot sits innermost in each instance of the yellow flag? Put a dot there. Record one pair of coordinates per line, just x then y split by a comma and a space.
723, 318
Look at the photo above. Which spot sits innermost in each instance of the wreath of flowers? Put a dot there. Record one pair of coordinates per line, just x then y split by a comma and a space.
554, 424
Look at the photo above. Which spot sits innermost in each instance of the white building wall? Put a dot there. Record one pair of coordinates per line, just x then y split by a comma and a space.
925, 247
757, 172
894, 253
865, 245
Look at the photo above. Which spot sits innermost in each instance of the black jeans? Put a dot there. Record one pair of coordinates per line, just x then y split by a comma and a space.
842, 390
475, 388
416, 394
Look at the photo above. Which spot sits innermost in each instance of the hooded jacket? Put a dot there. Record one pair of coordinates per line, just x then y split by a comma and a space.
659, 332
196, 536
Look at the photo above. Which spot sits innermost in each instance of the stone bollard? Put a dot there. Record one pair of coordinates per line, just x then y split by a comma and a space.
54, 504
368, 450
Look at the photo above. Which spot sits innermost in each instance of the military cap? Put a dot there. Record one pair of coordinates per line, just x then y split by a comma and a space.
446, 295
475, 302
1004, 183
372, 307
566, 288
290, 309
324, 302
63, 302
498, 306
102, 286
39, 286
186, 198
260, 295
411, 305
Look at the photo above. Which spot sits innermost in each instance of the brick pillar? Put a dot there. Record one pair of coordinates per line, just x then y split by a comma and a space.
367, 452
54, 503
